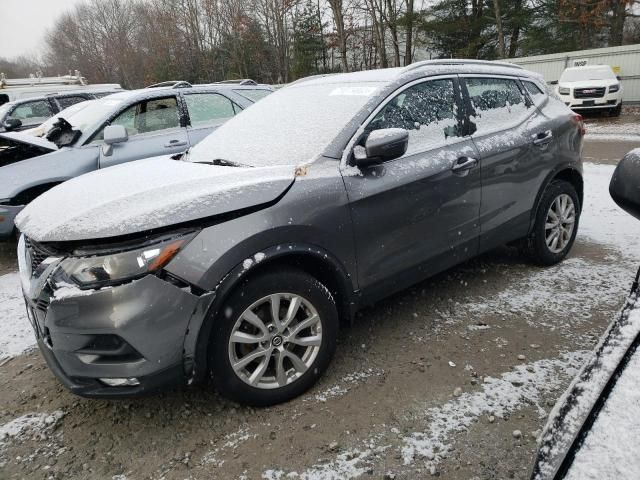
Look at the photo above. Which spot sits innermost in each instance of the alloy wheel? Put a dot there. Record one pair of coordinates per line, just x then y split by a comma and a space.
560, 222
275, 340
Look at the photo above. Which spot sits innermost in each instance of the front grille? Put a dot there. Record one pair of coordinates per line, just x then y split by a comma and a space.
36, 253
595, 92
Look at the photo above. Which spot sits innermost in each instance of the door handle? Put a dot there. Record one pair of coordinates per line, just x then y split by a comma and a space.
464, 164
175, 143
543, 138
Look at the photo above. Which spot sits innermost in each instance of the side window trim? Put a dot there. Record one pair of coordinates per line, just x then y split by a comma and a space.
459, 107
469, 106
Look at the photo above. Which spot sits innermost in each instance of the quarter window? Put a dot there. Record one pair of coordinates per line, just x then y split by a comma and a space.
496, 103
206, 107
66, 102
427, 110
534, 91
32, 113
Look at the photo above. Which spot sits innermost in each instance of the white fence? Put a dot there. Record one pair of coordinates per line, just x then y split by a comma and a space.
624, 60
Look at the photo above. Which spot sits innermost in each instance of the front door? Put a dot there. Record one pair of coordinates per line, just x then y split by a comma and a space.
154, 129
418, 214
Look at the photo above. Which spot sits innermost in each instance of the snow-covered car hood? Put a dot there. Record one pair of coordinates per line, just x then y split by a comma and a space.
588, 83
147, 194
29, 139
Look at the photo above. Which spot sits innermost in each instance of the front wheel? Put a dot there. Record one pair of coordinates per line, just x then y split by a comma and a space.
274, 337
616, 111
556, 224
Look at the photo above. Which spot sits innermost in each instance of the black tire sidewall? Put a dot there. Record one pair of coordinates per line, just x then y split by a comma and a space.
283, 280
539, 250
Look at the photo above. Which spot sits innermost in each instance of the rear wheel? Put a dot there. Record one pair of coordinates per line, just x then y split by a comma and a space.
556, 224
274, 338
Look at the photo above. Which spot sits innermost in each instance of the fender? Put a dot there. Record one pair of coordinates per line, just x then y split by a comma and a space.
576, 167
200, 326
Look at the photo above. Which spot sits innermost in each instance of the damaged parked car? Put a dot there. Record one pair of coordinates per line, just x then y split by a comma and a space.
237, 260
119, 128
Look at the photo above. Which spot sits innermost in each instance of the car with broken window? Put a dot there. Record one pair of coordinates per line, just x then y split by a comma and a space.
238, 260
112, 130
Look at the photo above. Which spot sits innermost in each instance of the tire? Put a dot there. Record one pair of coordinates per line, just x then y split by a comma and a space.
271, 385
615, 112
538, 247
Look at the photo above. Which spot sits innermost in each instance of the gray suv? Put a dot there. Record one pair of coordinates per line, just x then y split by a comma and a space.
119, 128
237, 260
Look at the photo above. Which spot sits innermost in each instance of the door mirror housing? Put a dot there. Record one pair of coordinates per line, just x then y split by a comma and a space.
381, 146
553, 82
12, 124
113, 134
625, 184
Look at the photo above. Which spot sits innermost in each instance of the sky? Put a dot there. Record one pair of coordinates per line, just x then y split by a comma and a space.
24, 23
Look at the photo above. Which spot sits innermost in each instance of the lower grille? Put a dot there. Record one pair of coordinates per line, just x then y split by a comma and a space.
596, 92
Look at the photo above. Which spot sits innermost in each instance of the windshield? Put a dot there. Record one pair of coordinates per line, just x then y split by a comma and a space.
67, 114
288, 127
97, 111
578, 74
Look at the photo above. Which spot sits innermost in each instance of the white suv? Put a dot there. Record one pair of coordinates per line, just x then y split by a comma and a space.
591, 87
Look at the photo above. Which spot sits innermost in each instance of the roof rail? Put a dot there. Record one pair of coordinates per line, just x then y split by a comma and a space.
459, 61
36, 79
241, 81
171, 84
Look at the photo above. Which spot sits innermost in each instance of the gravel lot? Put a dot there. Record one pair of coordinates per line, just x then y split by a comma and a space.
451, 378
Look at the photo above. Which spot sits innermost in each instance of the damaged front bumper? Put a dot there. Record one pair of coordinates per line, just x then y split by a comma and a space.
124, 340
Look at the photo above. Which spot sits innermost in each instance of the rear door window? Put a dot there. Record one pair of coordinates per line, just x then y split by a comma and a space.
427, 110
32, 113
207, 107
496, 103
66, 102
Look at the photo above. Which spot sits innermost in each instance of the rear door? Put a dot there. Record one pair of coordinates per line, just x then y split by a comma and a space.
207, 111
503, 120
154, 128
418, 214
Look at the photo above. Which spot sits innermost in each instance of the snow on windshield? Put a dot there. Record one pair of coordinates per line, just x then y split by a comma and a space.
97, 111
288, 127
578, 74
68, 114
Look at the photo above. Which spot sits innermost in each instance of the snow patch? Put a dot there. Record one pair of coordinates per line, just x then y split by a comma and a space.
17, 335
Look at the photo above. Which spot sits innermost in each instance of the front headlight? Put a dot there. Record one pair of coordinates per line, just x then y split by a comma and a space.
100, 271
614, 88
564, 91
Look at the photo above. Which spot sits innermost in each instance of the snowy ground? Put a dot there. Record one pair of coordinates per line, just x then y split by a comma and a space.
453, 377
624, 129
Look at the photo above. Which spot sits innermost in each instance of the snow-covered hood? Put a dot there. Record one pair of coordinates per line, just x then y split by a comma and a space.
589, 83
29, 139
147, 194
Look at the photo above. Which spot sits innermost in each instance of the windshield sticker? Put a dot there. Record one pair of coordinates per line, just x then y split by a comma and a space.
356, 91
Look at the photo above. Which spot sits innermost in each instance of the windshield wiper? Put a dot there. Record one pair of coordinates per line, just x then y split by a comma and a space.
221, 162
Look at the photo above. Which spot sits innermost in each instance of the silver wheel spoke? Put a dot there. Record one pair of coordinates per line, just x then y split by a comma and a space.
258, 373
281, 375
312, 320
247, 359
274, 300
314, 340
297, 362
254, 320
243, 337
294, 306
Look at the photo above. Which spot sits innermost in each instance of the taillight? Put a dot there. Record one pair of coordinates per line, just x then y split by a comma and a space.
577, 119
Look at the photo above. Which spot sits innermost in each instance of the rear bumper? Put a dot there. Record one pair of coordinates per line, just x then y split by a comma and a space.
8, 214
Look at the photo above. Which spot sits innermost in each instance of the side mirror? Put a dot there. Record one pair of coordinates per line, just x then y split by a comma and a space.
625, 184
553, 82
12, 124
381, 146
618, 77
113, 134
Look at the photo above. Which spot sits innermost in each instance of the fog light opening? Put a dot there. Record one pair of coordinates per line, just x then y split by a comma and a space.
120, 382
